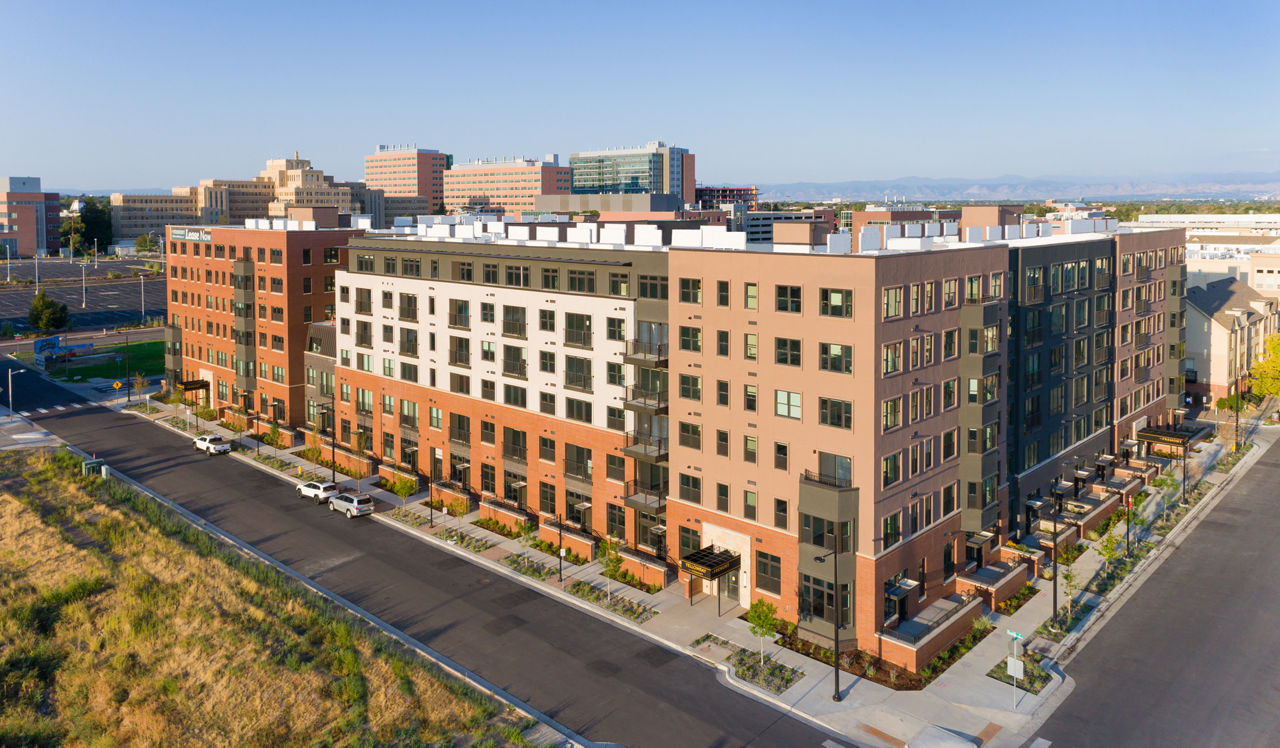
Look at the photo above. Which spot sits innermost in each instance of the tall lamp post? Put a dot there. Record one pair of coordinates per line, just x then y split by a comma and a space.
11, 372
835, 580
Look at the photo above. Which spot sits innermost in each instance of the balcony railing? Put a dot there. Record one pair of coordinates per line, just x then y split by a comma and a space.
364, 307
514, 328
577, 469
647, 445
1101, 317
409, 348
653, 495
460, 321
461, 436
577, 381
1140, 373
1141, 340
646, 349
827, 480
409, 314
460, 358
1101, 280
516, 452
1035, 294
649, 398
578, 338
978, 300
1141, 306
1142, 273
514, 368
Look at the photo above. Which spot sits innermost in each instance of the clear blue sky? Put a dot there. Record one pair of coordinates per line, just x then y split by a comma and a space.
151, 94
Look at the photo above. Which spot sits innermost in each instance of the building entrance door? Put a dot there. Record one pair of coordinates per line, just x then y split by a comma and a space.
729, 586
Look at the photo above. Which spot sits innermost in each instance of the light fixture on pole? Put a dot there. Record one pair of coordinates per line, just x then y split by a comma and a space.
835, 581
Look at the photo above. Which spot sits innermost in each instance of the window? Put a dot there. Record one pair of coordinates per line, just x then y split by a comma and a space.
749, 345
750, 296
691, 339
949, 444
514, 396
950, 344
690, 541
749, 504
949, 388
615, 328
551, 278
546, 320
653, 286
722, 392
690, 435
768, 573
489, 273
781, 456
614, 374
488, 389
822, 533
835, 302
749, 444
835, 357
722, 293
577, 410
891, 358
582, 281
722, 342
780, 514
786, 404
787, 351
619, 284
547, 403
749, 397
690, 291
788, 298
892, 529
837, 413
722, 443
891, 303
518, 275
691, 387
547, 362
690, 488
890, 470
891, 414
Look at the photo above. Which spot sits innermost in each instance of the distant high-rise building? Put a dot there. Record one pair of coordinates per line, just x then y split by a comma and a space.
710, 198
406, 171
503, 186
653, 167
29, 220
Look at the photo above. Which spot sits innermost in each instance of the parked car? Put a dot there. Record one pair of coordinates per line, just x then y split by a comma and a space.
319, 491
212, 444
352, 504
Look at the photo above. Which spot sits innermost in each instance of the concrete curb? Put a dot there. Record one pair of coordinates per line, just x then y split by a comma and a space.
726, 675
440, 660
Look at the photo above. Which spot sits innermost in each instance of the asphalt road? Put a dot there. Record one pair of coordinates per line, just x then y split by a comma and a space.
96, 337
596, 679
107, 303
1193, 658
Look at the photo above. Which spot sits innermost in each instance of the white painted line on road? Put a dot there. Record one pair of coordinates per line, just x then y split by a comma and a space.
39, 435
77, 405
60, 407
42, 410
1041, 743
24, 413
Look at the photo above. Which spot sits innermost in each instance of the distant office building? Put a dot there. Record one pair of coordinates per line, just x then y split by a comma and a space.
506, 186
29, 218
1227, 325
653, 167
758, 224
891, 215
407, 171
1257, 224
284, 183
646, 202
709, 198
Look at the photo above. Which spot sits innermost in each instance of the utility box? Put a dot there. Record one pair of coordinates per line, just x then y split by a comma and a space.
89, 467
106, 471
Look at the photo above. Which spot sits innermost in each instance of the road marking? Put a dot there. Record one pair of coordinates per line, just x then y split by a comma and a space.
42, 410
25, 413
60, 407
1041, 743
77, 405
30, 436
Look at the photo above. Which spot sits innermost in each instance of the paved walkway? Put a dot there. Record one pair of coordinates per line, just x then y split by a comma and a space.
962, 704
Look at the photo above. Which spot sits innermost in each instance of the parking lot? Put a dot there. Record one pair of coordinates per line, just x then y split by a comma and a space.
106, 303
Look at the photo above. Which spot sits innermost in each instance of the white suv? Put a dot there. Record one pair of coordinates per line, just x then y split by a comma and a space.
212, 444
354, 505
319, 491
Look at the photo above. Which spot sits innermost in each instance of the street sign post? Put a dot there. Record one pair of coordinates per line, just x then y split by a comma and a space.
1014, 666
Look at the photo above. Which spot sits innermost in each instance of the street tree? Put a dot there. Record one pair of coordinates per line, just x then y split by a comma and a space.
762, 616
146, 243
47, 313
1266, 371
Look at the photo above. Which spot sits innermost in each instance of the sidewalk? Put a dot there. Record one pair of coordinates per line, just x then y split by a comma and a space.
963, 702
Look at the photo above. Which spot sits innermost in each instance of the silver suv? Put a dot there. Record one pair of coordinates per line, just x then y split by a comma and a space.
353, 505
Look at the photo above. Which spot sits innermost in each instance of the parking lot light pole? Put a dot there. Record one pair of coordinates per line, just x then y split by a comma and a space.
84, 291
11, 413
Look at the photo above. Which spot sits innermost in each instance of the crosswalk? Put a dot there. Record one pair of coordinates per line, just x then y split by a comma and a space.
44, 411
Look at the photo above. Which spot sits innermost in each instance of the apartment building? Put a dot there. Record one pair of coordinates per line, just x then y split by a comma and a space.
654, 167
29, 218
503, 186
408, 171
1228, 324
240, 302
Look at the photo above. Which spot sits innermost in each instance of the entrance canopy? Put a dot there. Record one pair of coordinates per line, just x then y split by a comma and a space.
1166, 437
709, 563
194, 384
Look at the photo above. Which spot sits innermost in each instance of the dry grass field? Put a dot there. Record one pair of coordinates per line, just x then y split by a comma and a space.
122, 625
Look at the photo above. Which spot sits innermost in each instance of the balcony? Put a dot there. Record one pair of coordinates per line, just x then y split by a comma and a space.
460, 321
577, 381
649, 447
646, 400
646, 496
364, 307
1101, 317
364, 340
1141, 340
514, 368
1142, 273
578, 338
409, 348
459, 435
514, 328
977, 300
460, 358
515, 452
577, 470
1035, 294
1141, 307
646, 354
1101, 280
1141, 374
408, 314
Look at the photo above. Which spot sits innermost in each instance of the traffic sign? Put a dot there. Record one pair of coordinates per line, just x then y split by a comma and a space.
1014, 666
117, 384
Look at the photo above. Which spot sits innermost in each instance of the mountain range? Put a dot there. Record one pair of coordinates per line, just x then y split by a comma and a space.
1234, 186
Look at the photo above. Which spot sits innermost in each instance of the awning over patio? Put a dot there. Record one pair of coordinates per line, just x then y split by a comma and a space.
979, 539
710, 563
1037, 502
194, 384
1168, 437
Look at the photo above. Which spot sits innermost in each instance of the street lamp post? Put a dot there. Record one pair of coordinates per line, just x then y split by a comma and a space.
11, 413
835, 580
84, 291
560, 544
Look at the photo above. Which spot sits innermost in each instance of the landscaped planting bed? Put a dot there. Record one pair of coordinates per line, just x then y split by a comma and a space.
180, 423
469, 542
772, 675
527, 566
403, 515
144, 407
1034, 679
1108, 577
1020, 598
638, 612
1226, 462
1069, 556
1078, 613
494, 526
551, 550
631, 580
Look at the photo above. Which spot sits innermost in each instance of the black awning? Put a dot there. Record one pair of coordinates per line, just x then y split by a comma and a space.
194, 384
709, 563
1171, 437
